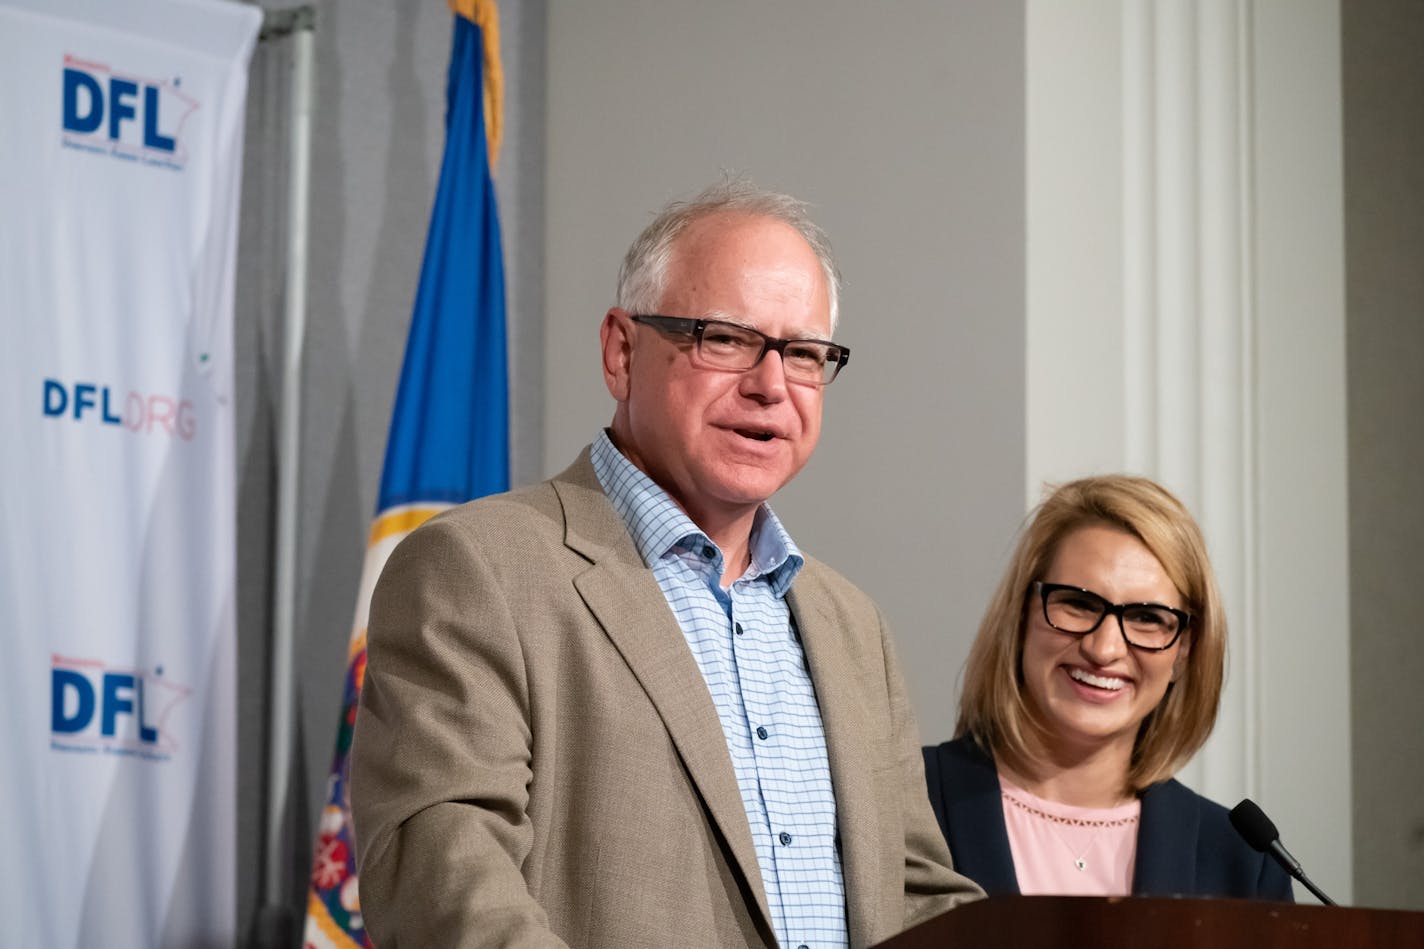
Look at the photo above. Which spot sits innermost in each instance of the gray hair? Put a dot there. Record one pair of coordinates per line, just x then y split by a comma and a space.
643, 276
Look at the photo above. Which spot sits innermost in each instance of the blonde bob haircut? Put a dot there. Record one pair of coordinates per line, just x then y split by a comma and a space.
992, 706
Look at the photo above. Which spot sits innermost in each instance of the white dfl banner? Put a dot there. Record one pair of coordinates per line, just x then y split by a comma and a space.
119, 174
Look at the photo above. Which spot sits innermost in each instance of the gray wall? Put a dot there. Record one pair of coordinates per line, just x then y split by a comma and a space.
904, 125
1383, 65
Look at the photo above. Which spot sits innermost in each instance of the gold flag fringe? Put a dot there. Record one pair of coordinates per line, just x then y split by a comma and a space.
485, 14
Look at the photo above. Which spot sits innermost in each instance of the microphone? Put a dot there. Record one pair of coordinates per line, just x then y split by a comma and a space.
1252, 824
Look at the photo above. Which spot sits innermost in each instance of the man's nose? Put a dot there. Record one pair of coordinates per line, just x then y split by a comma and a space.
767, 379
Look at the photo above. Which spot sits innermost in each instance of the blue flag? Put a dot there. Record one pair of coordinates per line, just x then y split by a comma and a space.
449, 438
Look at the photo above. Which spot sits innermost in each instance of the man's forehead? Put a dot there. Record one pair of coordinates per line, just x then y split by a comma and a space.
735, 227
729, 252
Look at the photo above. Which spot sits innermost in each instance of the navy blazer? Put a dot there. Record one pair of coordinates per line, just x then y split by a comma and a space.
1186, 845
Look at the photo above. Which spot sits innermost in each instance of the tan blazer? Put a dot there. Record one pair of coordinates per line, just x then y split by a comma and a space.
538, 762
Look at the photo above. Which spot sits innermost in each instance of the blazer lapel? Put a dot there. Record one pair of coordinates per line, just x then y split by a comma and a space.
835, 673
1167, 833
627, 602
974, 812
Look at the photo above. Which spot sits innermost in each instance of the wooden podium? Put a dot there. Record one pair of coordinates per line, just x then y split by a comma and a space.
1029, 922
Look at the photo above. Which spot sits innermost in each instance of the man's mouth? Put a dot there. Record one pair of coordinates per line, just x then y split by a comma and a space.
756, 434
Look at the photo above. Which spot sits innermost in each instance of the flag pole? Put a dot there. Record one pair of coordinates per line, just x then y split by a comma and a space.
275, 920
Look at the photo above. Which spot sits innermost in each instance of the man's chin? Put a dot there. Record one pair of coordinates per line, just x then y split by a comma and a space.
750, 494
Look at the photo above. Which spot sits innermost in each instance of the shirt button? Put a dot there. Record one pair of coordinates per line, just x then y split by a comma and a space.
739, 629
707, 553
785, 839
803, 946
761, 733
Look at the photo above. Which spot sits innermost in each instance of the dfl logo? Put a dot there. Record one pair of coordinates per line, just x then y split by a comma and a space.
124, 116
99, 709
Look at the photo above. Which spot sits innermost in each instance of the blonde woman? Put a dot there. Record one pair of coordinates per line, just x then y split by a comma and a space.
1095, 675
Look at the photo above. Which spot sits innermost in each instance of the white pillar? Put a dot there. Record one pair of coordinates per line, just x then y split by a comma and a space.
1185, 256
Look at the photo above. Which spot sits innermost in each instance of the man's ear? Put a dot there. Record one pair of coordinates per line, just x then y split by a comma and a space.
616, 335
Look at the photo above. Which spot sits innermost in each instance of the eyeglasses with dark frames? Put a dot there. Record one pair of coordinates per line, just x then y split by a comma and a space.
1149, 626
723, 345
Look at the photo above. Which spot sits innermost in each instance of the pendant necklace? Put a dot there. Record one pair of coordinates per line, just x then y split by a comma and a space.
1080, 860
1080, 857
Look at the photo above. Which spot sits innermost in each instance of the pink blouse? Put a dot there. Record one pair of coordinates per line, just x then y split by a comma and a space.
1062, 850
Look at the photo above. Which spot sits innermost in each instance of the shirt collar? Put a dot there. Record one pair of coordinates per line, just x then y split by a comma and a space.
658, 525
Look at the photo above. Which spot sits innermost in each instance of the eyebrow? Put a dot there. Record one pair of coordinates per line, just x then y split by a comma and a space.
1108, 601
809, 336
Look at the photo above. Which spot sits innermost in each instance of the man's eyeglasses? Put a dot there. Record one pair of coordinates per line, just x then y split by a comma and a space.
723, 345
1074, 610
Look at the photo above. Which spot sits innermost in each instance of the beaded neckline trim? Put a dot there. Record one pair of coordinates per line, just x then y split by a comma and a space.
1069, 821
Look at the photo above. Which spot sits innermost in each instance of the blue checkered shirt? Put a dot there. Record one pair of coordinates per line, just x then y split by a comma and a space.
745, 642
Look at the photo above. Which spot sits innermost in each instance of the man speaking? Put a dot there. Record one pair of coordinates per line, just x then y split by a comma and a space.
621, 708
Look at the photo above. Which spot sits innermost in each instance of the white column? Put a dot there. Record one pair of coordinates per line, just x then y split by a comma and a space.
1188, 383
1157, 333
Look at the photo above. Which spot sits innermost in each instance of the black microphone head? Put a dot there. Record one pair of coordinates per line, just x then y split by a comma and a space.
1252, 823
